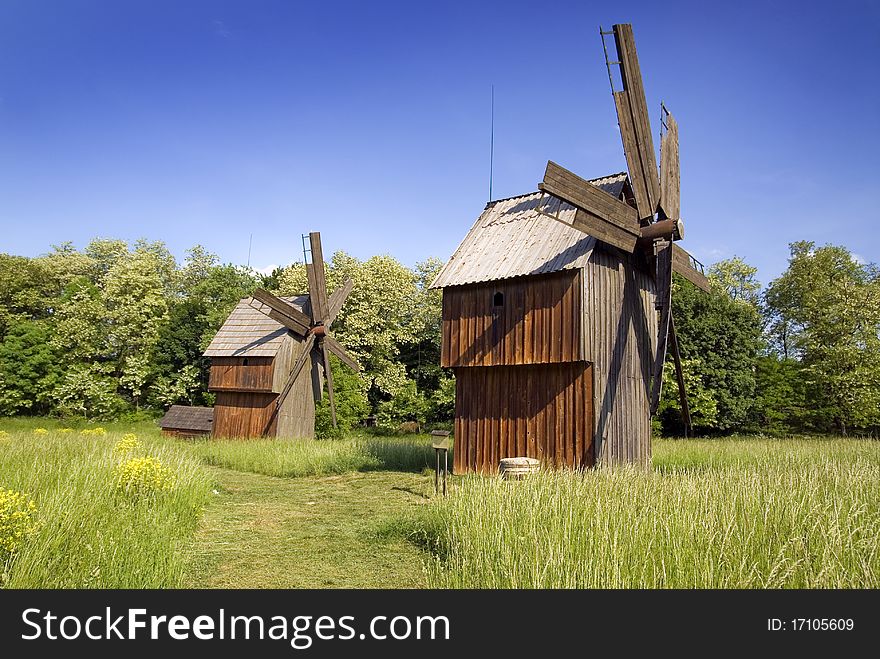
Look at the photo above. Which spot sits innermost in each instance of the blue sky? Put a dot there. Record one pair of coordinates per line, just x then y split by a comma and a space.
206, 122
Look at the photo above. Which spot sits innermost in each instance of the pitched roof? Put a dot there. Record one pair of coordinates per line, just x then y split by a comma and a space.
249, 332
183, 417
511, 239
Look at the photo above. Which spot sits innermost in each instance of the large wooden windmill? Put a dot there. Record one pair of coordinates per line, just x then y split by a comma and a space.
557, 305
270, 357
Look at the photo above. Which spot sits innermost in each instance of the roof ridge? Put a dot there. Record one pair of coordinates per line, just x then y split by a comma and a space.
492, 202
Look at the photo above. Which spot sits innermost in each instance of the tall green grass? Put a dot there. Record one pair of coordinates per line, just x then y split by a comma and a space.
726, 514
90, 535
296, 458
285, 458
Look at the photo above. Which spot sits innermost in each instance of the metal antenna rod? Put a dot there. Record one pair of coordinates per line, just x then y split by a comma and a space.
250, 242
491, 141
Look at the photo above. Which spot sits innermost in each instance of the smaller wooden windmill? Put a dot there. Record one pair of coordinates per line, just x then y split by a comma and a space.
260, 354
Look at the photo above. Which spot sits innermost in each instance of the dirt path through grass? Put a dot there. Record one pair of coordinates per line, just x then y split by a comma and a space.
313, 532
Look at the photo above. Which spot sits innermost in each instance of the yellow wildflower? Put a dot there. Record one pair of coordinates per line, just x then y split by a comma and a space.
127, 444
41, 431
144, 475
17, 520
65, 430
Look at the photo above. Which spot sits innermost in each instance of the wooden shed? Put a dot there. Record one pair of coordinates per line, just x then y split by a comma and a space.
186, 421
550, 333
251, 358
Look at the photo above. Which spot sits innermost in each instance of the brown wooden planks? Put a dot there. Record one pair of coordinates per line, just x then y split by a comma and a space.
242, 415
642, 164
579, 192
541, 411
670, 181
621, 323
337, 299
539, 322
336, 348
318, 280
681, 263
241, 374
285, 313
631, 151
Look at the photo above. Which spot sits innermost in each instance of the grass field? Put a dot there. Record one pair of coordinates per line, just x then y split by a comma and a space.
720, 514
89, 533
743, 513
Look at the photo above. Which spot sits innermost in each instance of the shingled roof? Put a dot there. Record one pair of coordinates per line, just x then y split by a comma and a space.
183, 417
248, 332
511, 239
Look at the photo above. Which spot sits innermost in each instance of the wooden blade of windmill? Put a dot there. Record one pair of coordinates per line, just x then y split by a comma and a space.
670, 178
686, 265
280, 311
599, 214
664, 304
328, 374
679, 375
336, 348
635, 126
301, 361
337, 299
317, 280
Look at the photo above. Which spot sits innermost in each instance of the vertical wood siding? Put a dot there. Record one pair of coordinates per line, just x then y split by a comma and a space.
539, 322
243, 414
621, 327
542, 412
241, 374
296, 418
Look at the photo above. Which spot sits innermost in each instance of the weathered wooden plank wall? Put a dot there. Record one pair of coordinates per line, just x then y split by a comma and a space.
241, 374
542, 412
174, 432
296, 418
243, 414
539, 322
621, 328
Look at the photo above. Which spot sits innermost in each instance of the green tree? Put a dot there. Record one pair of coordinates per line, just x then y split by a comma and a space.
377, 318
702, 405
28, 369
350, 398
780, 396
737, 279
825, 312
723, 334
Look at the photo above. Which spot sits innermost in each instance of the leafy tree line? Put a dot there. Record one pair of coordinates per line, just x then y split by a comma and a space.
802, 355
118, 329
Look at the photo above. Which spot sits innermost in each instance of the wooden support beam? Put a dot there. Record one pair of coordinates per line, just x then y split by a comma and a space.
670, 178
664, 302
579, 192
679, 375
603, 230
318, 280
286, 314
666, 229
635, 126
328, 373
337, 299
291, 379
681, 263
336, 348
598, 213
